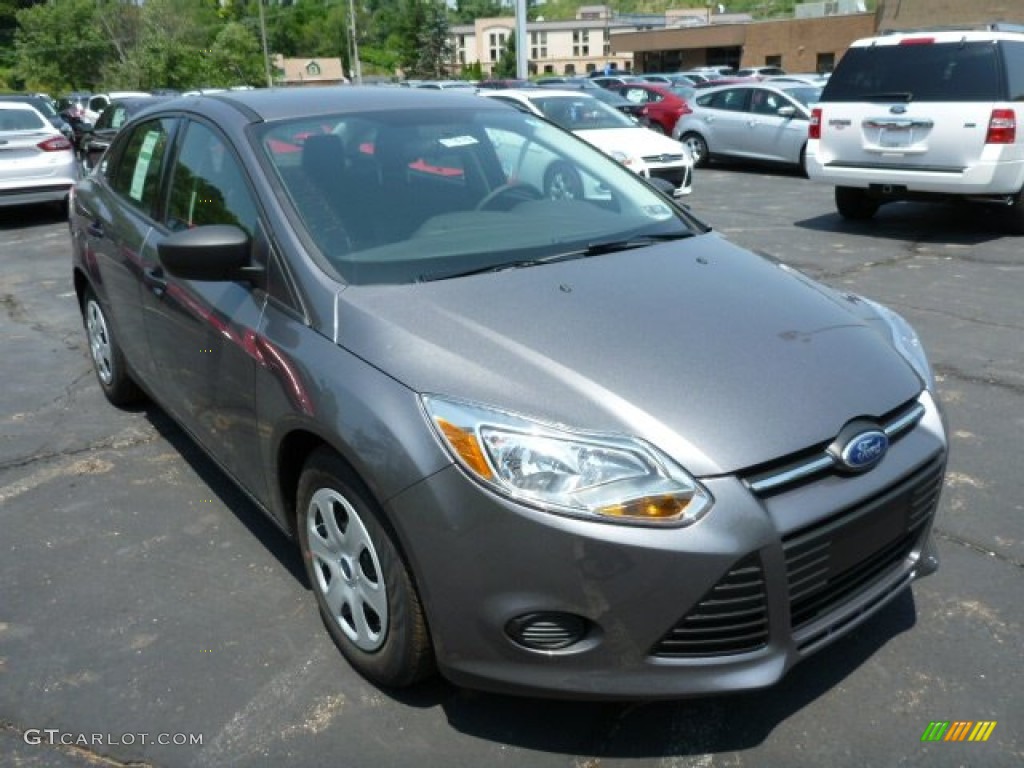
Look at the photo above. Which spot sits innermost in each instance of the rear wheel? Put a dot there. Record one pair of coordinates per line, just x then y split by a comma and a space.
854, 203
107, 357
362, 586
698, 148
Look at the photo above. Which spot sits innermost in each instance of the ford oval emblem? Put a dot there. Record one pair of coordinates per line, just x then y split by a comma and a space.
864, 450
898, 109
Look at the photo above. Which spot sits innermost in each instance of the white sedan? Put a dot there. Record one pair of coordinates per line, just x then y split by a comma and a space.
37, 162
644, 151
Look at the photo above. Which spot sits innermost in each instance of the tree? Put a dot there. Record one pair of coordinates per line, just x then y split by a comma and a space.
435, 45
505, 67
467, 11
236, 57
60, 46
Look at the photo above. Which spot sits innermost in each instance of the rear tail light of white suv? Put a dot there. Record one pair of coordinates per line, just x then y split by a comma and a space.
814, 127
1002, 127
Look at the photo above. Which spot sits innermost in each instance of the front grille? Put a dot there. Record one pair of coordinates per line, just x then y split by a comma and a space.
675, 175
663, 159
833, 561
731, 618
805, 466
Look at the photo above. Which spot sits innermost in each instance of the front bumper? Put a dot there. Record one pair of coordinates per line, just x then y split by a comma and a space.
727, 604
679, 175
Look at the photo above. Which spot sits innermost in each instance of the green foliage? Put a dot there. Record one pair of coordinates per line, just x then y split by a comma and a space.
435, 46
505, 66
60, 46
467, 11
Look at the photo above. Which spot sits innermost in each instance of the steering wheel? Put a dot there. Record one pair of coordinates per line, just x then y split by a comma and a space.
511, 195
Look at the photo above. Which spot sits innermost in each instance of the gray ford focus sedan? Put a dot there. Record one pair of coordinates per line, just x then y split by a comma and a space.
570, 445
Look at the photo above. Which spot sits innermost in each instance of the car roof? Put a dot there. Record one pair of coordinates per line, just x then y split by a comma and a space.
23, 105
271, 104
546, 93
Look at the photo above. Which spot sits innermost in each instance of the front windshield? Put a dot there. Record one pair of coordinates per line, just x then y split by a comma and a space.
581, 113
399, 196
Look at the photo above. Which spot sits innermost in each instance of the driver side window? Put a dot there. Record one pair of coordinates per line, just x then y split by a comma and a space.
208, 184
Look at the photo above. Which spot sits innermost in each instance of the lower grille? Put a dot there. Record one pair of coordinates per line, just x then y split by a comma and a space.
731, 618
835, 560
677, 176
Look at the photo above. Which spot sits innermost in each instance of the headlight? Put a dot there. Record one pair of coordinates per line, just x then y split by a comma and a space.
592, 476
906, 341
634, 163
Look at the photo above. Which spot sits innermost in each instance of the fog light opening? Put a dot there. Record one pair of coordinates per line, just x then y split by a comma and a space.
547, 631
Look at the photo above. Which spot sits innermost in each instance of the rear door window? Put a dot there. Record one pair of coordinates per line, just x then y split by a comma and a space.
137, 174
1013, 60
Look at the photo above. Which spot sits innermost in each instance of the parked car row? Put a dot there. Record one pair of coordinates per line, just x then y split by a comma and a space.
644, 151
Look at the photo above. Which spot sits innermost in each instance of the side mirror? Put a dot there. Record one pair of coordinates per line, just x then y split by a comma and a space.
787, 111
215, 253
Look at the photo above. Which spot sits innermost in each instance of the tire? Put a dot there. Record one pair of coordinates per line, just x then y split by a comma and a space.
698, 148
802, 162
856, 204
107, 358
562, 182
363, 588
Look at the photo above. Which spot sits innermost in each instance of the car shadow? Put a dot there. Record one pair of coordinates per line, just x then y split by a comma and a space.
911, 222
21, 217
665, 729
244, 509
754, 168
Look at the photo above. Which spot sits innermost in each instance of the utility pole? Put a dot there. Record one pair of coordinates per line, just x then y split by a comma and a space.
357, 69
266, 54
522, 44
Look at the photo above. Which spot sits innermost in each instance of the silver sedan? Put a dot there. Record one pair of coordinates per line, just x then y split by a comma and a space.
753, 121
37, 162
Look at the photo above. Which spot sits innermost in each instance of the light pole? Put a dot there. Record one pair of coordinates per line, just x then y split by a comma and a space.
266, 55
357, 69
521, 41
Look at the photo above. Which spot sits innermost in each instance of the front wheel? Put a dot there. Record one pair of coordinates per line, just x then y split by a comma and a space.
563, 182
362, 586
856, 204
107, 358
698, 148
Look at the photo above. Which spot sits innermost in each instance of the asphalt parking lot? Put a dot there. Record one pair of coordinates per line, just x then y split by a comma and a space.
145, 605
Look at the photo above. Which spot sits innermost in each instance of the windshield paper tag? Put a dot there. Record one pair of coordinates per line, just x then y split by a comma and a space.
458, 141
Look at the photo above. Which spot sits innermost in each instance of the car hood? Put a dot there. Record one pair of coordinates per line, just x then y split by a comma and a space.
719, 356
634, 141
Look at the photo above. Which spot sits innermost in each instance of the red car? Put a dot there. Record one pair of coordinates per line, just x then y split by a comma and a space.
665, 103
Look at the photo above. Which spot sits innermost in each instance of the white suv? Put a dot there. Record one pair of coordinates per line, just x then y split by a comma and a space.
924, 116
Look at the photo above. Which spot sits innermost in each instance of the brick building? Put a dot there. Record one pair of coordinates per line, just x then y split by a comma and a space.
801, 44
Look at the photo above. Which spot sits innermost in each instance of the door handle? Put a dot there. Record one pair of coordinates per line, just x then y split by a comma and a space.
95, 228
153, 277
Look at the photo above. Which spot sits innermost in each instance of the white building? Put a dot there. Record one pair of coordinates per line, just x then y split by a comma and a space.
573, 47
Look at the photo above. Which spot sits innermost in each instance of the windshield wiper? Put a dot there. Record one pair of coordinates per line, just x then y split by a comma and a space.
591, 249
614, 246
